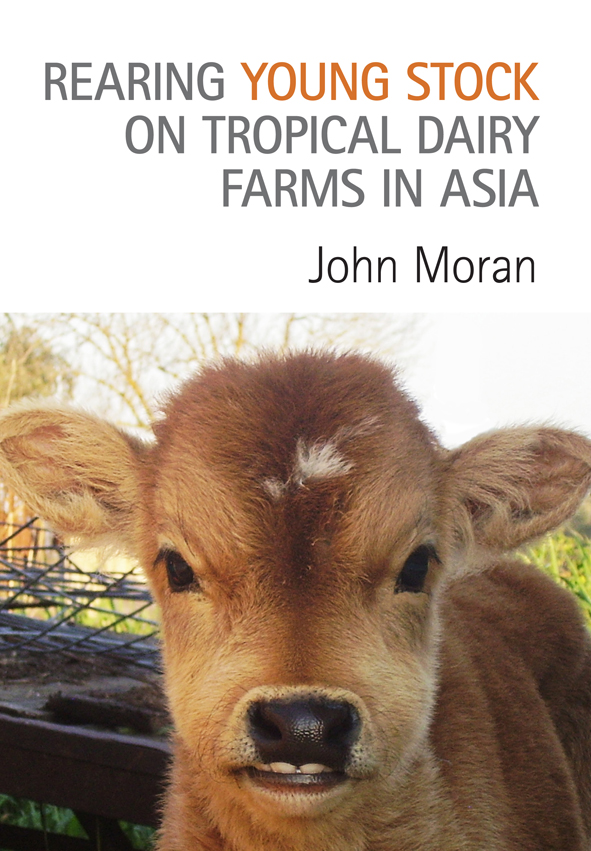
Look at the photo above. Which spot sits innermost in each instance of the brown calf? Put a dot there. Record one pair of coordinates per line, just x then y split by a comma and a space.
352, 664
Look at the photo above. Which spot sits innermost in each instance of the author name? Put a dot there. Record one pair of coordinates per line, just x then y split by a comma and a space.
431, 265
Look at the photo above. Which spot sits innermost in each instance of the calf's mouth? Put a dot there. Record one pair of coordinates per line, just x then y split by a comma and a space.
308, 777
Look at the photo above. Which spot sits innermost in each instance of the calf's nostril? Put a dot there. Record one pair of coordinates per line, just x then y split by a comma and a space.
264, 727
300, 732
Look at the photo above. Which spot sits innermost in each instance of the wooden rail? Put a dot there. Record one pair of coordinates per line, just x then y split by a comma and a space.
102, 776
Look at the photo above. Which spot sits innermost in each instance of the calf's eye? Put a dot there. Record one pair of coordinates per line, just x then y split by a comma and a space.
414, 571
180, 574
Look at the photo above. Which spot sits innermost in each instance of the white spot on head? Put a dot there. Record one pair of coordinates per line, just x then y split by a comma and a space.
318, 461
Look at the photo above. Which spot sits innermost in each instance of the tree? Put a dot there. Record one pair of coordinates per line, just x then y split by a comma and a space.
29, 366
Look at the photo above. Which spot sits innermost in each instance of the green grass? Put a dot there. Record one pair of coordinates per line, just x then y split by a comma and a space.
566, 557
23, 813
119, 616
122, 616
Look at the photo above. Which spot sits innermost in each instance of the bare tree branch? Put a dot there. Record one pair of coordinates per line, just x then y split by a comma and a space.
123, 362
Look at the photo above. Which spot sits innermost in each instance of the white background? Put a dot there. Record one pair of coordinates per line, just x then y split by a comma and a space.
88, 222
88, 225
475, 372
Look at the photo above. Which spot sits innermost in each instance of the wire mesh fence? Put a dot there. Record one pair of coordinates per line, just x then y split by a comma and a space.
53, 601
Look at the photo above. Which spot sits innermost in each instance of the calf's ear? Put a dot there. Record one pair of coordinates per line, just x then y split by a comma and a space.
511, 486
76, 471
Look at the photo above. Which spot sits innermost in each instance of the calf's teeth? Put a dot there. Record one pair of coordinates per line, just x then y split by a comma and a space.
288, 768
314, 768
283, 768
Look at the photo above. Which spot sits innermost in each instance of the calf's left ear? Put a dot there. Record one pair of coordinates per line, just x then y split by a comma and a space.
509, 487
76, 471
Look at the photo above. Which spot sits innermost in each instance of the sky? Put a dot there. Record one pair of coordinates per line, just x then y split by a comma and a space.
475, 372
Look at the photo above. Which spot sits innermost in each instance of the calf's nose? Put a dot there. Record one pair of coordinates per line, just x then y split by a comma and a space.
299, 732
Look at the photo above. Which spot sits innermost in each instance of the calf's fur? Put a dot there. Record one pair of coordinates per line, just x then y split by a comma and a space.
296, 489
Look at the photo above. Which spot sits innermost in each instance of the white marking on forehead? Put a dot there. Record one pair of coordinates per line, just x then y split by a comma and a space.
318, 461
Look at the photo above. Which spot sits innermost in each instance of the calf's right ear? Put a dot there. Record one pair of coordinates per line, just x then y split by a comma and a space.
76, 471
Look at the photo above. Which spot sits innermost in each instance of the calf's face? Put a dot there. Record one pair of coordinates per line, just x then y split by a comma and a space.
293, 550
296, 521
